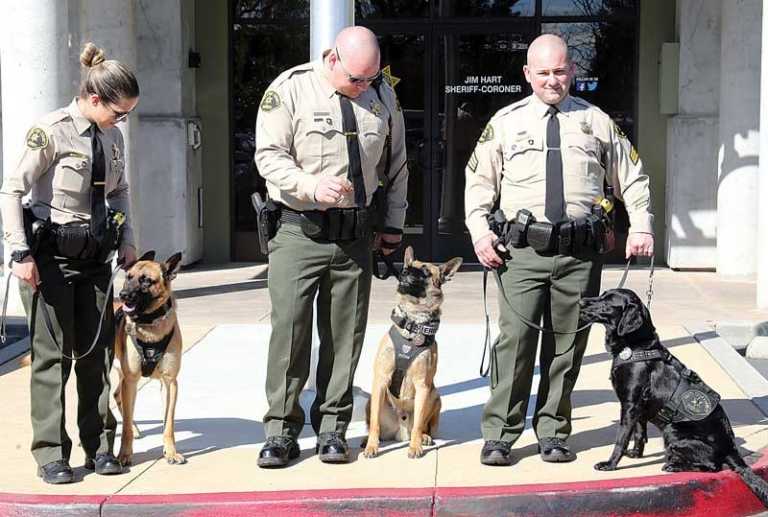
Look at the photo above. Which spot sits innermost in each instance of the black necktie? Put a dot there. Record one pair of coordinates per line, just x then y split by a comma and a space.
555, 200
355, 171
98, 206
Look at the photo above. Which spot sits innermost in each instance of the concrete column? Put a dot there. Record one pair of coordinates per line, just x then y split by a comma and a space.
691, 193
326, 19
34, 75
111, 25
762, 194
738, 138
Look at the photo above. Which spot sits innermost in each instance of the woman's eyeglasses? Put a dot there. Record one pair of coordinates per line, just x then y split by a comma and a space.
119, 115
353, 79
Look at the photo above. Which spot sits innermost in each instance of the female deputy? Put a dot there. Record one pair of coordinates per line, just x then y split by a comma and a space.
61, 241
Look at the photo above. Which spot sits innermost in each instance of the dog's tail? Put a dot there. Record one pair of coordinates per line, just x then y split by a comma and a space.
755, 483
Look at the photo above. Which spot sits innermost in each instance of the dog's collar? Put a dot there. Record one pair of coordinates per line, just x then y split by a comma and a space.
628, 356
428, 328
161, 312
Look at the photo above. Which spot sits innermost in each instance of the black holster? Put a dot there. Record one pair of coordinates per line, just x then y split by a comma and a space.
267, 220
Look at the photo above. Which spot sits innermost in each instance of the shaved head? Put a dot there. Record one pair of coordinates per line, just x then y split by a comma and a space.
354, 61
545, 46
549, 69
359, 43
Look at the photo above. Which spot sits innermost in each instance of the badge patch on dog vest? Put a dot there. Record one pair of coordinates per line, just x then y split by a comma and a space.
37, 139
696, 403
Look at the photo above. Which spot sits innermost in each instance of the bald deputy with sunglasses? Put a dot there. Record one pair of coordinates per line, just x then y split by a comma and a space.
321, 143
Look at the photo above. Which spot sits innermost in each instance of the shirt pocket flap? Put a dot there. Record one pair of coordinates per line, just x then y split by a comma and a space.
523, 144
586, 143
326, 125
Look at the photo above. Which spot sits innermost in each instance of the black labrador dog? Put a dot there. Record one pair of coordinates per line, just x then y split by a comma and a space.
653, 386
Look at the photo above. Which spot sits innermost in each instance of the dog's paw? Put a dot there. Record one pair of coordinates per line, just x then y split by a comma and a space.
174, 458
415, 452
605, 465
427, 440
125, 458
634, 453
371, 451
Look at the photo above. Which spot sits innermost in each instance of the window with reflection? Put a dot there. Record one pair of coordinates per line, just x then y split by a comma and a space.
262, 48
485, 8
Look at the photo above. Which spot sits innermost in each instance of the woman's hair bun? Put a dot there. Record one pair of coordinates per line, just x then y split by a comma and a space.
91, 55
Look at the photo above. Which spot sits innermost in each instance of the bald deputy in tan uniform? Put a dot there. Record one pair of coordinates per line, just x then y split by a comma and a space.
549, 154
321, 136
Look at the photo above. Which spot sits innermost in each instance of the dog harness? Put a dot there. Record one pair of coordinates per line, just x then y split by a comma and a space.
406, 350
151, 353
692, 399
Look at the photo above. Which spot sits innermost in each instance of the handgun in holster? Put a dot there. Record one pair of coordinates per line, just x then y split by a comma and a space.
267, 220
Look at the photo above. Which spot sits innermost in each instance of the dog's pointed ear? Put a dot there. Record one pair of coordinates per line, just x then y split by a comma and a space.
172, 266
408, 257
148, 255
448, 269
632, 319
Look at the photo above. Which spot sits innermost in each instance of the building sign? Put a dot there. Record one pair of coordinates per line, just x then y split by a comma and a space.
483, 84
586, 84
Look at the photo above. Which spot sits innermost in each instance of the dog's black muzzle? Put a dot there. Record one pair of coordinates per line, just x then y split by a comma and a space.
413, 282
135, 299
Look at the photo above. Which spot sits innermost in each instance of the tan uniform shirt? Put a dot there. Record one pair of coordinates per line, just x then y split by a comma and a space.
299, 138
55, 169
510, 160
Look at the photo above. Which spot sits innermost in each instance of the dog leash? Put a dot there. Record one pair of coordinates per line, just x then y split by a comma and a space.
47, 317
489, 348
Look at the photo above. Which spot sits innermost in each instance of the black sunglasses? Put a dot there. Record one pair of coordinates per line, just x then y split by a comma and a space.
353, 79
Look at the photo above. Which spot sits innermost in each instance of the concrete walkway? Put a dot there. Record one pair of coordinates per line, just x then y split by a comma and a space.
224, 314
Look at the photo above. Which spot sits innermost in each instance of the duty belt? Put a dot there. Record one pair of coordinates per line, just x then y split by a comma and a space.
333, 225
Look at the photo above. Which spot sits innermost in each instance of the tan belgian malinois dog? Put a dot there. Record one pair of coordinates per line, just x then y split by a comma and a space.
404, 403
148, 343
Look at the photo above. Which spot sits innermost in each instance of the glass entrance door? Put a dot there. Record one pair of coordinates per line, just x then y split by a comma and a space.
449, 80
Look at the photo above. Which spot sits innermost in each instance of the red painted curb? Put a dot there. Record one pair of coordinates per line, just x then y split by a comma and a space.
681, 494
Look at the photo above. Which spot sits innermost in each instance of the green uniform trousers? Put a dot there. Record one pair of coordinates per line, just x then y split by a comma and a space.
548, 287
74, 295
339, 274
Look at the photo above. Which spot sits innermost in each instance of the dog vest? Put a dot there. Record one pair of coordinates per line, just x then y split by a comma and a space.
405, 352
151, 353
691, 401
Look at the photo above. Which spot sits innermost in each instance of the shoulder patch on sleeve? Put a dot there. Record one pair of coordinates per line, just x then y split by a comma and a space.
487, 134
270, 101
634, 156
37, 139
619, 131
473, 161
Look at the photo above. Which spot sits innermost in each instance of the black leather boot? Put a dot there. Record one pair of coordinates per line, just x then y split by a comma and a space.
496, 453
278, 451
105, 464
332, 448
56, 472
555, 450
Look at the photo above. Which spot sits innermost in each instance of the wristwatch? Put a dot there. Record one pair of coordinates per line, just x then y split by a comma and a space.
19, 255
